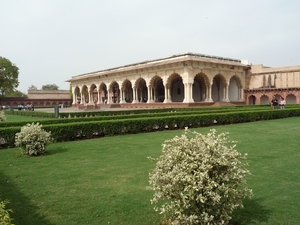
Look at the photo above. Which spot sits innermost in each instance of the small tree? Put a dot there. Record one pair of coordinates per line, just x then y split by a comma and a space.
32, 88
2, 116
50, 87
32, 139
9, 74
199, 179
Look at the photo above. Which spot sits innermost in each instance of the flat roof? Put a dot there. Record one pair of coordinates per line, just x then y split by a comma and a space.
162, 61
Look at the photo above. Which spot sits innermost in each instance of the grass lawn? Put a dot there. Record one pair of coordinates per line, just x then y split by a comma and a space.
104, 181
17, 118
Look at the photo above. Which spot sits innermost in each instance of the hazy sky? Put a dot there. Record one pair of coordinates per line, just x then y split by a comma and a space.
52, 40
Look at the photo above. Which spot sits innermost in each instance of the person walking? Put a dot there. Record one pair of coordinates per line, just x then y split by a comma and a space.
282, 103
274, 102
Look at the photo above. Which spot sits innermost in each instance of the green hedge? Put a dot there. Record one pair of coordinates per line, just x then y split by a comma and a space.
140, 114
99, 128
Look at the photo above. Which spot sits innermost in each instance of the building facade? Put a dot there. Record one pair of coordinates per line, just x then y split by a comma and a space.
266, 82
186, 79
40, 98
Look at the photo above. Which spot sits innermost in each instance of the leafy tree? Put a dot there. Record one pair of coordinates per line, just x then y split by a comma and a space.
199, 179
15, 93
9, 74
50, 87
32, 88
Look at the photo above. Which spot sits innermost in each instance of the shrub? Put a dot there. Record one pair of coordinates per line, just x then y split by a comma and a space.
5, 218
2, 116
33, 139
199, 179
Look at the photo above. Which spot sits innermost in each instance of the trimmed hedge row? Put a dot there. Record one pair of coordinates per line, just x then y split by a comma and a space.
95, 129
126, 116
133, 111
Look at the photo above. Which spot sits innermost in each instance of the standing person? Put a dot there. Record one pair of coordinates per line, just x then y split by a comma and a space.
274, 102
282, 103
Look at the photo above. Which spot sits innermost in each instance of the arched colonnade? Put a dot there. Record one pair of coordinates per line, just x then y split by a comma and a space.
186, 87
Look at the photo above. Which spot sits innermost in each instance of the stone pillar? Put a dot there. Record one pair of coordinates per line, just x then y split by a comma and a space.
90, 97
188, 93
82, 100
167, 95
74, 100
122, 96
209, 94
99, 99
135, 96
225, 93
154, 94
149, 94
241, 95
109, 100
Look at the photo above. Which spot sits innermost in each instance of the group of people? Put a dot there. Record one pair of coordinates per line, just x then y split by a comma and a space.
275, 103
27, 107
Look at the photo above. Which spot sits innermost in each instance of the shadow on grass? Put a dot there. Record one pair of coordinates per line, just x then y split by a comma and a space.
252, 213
24, 211
56, 150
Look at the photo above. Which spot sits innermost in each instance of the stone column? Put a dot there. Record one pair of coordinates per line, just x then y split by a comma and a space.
82, 100
122, 96
225, 93
167, 95
188, 93
241, 94
74, 100
154, 94
90, 97
135, 96
109, 100
149, 94
99, 100
209, 94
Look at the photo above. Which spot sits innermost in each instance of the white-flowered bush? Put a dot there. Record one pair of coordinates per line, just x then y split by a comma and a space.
5, 218
199, 179
32, 139
2, 116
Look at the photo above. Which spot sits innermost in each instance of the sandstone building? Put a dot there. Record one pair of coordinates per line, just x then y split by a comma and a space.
40, 98
186, 80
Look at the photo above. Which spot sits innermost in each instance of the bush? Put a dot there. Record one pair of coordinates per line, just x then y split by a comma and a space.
2, 116
5, 218
33, 139
199, 179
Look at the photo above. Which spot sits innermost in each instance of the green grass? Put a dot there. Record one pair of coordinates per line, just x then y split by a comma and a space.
16, 118
104, 181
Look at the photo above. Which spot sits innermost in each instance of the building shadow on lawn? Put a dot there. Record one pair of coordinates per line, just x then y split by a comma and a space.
253, 212
24, 211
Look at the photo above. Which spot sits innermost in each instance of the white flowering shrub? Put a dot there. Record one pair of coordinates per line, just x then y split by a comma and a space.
5, 218
32, 139
2, 116
199, 179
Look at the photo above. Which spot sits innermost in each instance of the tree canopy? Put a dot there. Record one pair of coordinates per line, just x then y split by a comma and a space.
9, 74
15, 93
50, 87
32, 87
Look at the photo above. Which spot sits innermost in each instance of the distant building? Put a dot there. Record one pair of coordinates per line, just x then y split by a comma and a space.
266, 82
41, 98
